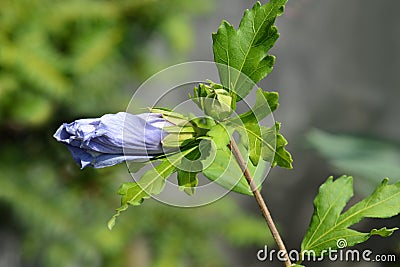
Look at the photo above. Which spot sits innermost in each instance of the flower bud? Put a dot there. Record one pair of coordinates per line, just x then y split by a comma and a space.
114, 138
214, 100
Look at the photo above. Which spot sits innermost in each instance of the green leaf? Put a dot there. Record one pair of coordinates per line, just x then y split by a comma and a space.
245, 51
133, 193
152, 182
259, 140
225, 171
266, 102
282, 157
134, 166
254, 142
187, 181
203, 124
329, 225
269, 140
220, 135
250, 137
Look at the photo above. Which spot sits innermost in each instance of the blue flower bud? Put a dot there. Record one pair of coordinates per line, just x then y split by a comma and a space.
114, 138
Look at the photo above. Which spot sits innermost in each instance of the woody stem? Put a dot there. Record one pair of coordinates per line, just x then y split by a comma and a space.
261, 203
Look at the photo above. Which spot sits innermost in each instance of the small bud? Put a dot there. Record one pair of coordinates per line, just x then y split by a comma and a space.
214, 100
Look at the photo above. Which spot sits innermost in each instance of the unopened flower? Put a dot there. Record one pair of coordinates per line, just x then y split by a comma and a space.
214, 100
114, 138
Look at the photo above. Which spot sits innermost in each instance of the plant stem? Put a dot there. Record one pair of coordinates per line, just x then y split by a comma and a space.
263, 207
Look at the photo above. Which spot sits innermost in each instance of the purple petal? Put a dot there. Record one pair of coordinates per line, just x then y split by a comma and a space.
113, 138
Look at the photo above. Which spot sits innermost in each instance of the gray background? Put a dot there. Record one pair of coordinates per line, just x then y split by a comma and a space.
337, 70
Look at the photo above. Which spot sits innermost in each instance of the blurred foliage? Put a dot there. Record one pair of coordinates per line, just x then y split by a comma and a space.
65, 215
367, 158
74, 54
62, 60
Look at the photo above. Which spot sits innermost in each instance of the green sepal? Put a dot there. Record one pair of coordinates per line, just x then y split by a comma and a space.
180, 129
175, 140
171, 116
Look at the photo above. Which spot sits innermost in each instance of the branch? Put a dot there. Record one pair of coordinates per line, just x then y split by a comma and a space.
263, 207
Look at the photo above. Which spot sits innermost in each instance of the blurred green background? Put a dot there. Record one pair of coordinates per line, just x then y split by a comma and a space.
62, 60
